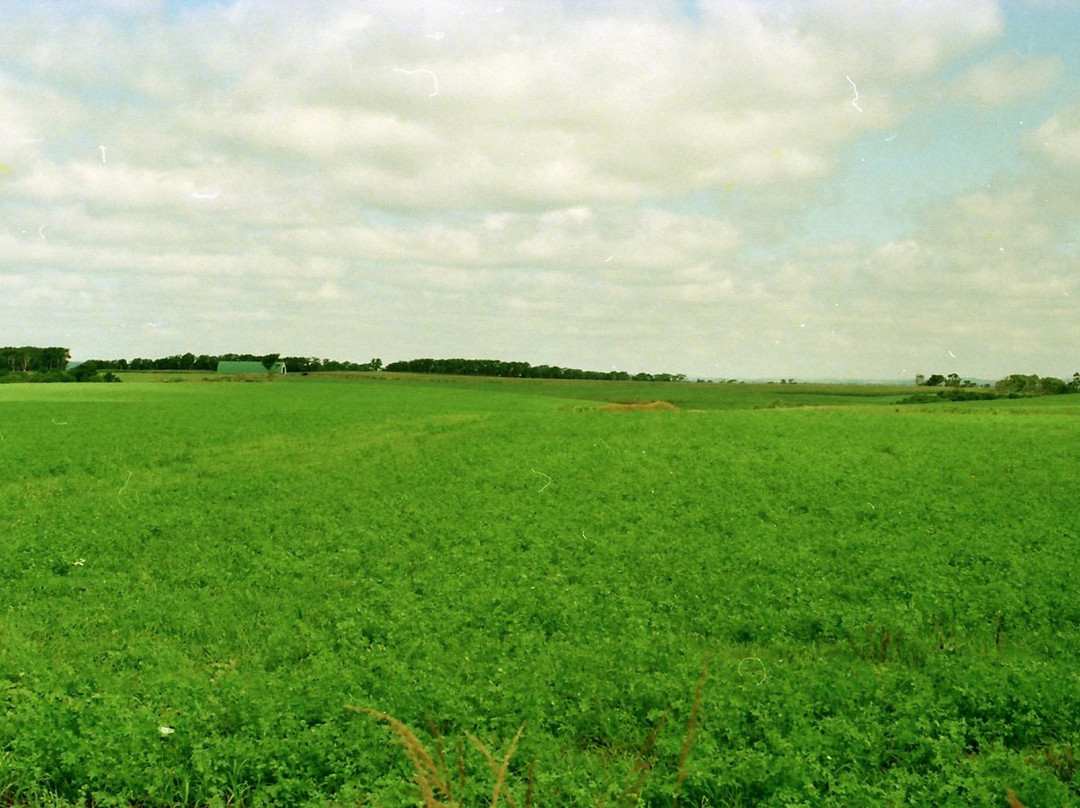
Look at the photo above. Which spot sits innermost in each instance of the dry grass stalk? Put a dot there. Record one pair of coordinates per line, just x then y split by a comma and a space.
643, 765
461, 765
428, 776
693, 727
500, 770
531, 783
432, 777
442, 757
1013, 801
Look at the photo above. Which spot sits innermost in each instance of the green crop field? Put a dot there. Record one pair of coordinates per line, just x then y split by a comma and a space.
204, 585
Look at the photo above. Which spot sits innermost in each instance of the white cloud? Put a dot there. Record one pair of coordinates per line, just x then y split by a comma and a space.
1058, 139
1008, 78
588, 180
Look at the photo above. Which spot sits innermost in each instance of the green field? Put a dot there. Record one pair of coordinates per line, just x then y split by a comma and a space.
196, 579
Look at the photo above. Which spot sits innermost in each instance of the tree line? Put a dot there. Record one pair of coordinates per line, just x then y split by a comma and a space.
32, 359
1016, 385
190, 361
521, 370
30, 363
45, 361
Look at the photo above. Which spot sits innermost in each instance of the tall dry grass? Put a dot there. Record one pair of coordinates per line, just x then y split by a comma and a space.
434, 778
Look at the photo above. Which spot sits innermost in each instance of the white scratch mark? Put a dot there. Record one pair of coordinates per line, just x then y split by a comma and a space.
764, 672
214, 195
952, 354
119, 501
102, 154
855, 100
41, 232
890, 137
436, 36
545, 485
421, 70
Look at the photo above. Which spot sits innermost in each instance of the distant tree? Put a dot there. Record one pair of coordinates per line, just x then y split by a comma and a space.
30, 358
54, 358
1074, 385
935, 381
1017, 383
953, 380
1051, 386
85, 372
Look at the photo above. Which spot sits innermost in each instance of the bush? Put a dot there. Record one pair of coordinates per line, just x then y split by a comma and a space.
48, 376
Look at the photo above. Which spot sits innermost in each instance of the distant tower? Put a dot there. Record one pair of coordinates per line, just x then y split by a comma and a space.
919, 379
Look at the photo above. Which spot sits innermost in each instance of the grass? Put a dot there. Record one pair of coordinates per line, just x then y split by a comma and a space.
886, 595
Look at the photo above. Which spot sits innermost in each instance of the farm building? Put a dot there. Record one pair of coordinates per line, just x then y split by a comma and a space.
250, 367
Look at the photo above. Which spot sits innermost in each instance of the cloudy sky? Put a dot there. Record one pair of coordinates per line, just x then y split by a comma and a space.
750, 188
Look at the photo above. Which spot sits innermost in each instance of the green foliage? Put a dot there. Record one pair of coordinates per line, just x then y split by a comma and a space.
85, 372
520, 370
1017, 383
205, 362
198, 578
952, 394
1051, 386
32, 359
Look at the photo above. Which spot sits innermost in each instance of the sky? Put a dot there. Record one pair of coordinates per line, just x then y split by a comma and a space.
723, 188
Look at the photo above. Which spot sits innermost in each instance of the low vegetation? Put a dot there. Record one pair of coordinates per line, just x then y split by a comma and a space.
236, 594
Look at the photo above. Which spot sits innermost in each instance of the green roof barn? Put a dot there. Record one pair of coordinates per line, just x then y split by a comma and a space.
249, 367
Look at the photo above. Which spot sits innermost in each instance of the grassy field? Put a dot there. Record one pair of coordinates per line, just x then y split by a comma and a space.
197, 581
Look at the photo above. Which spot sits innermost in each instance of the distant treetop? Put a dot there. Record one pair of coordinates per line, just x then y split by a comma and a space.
521, 370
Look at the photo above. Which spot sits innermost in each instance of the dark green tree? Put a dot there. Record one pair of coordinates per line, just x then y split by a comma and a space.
1017, 383
85, 372
1052, 386
54, 358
